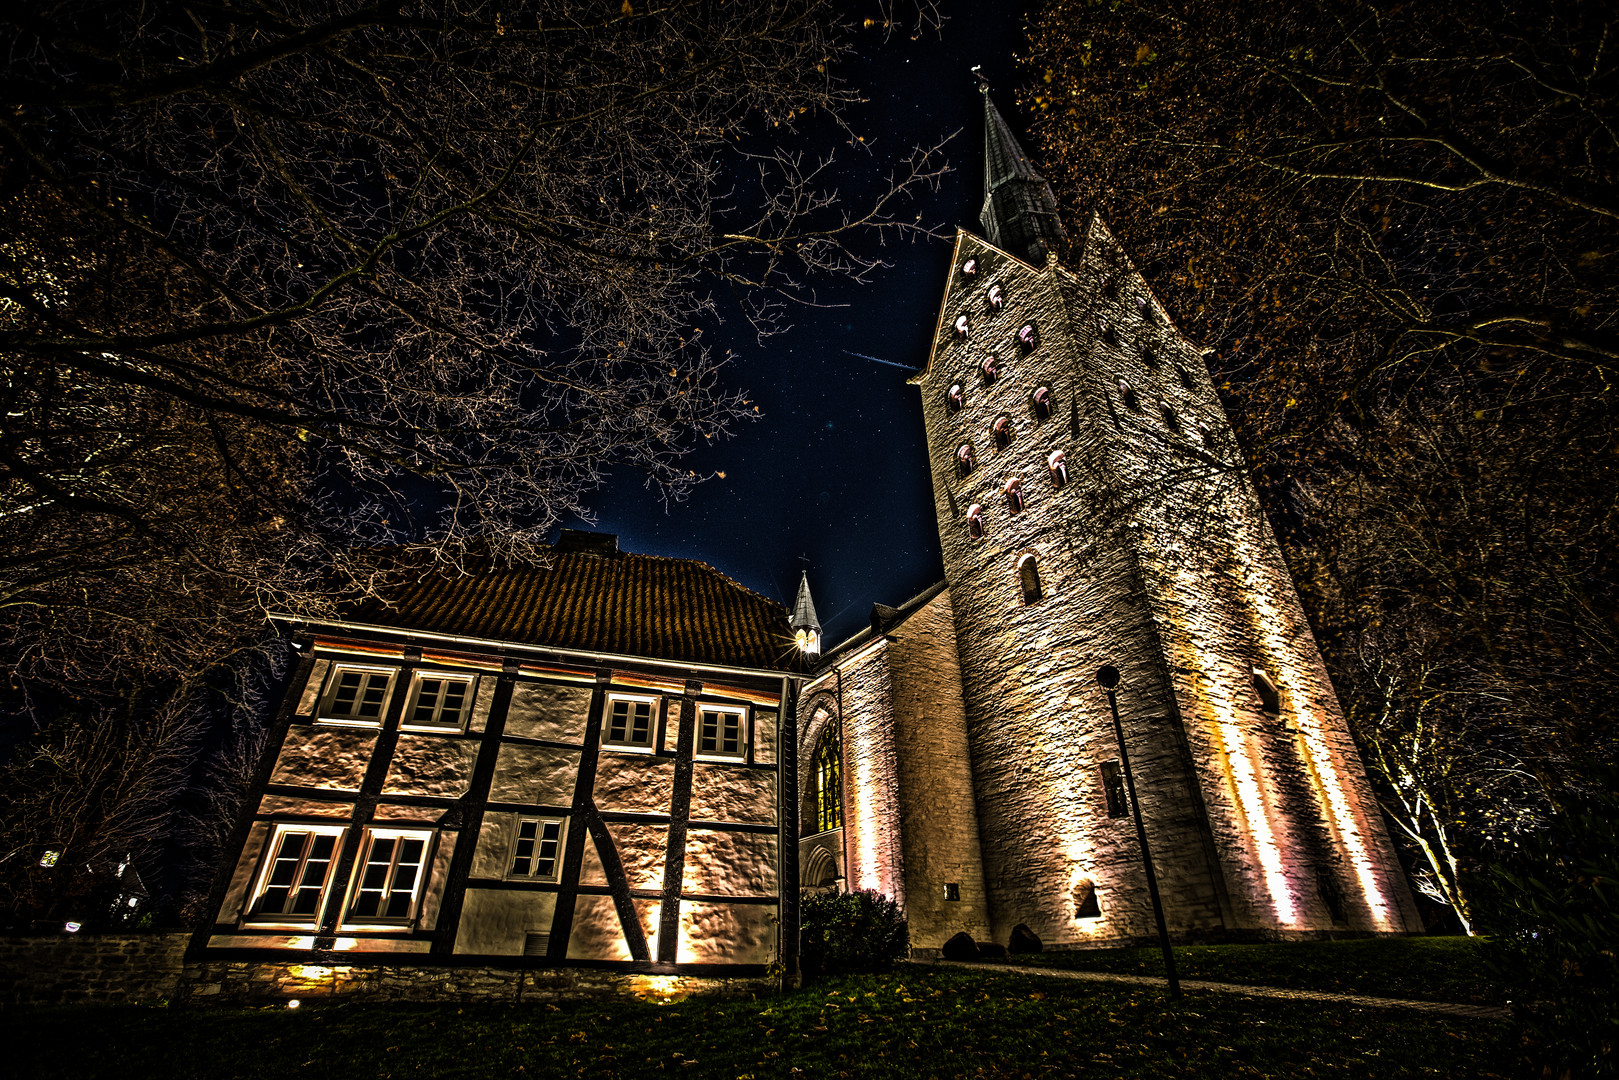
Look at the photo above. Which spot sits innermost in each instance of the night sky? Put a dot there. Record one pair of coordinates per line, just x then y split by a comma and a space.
836, 469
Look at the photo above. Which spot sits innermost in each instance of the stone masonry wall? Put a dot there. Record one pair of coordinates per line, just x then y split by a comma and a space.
150, 968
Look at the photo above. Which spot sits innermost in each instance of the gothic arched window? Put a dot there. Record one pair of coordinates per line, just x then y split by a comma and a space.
828, 768
1028, 572
975, 521
1042, 402
964, 459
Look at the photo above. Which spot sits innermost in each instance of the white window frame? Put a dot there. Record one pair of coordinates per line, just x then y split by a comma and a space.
625, 746
408, 722
741, 713
327, 715
532, 874
353, 921
267, 861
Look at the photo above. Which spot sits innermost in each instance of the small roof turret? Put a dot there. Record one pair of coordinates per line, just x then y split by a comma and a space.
1020, 212
806, 625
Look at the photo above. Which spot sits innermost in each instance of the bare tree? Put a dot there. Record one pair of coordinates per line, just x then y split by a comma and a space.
1395, 223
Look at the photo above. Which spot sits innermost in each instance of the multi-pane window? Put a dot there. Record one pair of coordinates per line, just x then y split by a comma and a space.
537, 854
357, 695
439, 702
392, 876
722, 732
630, 722
1113, 788
294, 879
829, 781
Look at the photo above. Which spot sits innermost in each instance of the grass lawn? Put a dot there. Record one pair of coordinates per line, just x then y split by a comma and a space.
916, 1022
1422, 969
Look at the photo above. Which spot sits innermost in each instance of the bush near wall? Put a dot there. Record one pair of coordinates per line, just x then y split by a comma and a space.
850, 932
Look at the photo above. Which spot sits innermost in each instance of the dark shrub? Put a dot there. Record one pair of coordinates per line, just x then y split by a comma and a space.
857, 931
960, 947
992, 950
1556, 922
1024, 940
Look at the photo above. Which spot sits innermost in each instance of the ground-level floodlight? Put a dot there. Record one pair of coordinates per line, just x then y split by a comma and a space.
1108, 677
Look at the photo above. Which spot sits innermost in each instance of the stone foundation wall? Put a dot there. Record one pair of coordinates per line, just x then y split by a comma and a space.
151, 969
67, 969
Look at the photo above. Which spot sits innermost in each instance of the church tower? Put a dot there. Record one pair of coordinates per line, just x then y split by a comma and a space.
1093, 509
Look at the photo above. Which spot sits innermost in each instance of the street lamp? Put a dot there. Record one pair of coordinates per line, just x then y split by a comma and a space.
1108, 677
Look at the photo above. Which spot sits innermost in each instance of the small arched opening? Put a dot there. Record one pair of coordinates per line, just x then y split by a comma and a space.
1028, 572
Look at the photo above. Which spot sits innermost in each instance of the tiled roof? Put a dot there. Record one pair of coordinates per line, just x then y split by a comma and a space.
634, 605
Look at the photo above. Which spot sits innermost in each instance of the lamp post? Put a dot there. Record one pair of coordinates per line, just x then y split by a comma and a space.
1108, 677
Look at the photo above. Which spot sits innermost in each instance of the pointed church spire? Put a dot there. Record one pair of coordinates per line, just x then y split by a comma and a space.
1020, 212
806, 626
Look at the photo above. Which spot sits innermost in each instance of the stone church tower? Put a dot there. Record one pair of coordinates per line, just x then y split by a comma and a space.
1093, 509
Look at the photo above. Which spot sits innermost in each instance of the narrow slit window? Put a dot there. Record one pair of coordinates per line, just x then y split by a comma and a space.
1057, 463
1027, 337
1185, 377
1270, 698
1028, 572
964, 459
1113, 789
954, 398
1014, 496
722, 733
1002, 432
1171, 419
537, 850
1127, 393
970, 267
995, 301
964, 327
391, 879
989, 371
975, 521
1149, 356
1043, 403
630, 722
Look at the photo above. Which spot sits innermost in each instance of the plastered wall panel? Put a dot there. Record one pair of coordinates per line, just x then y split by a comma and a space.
730, 864
597, 933
723, 792
311, 694
765, 737
285, 806
241, 879
437, 873
482, 697
497, 922
399, 814
634, 783
641, 849
490, 857
429, 764
543, 775
548, 711
727, 933
324, 757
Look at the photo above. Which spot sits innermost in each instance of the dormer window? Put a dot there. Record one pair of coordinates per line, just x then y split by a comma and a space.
1014, 496
1057, 463
1002, 431
954, 399
970, 267
1042, 402
1027, 338
964, 459
1126, 393
975, 521
995, 297
964, 327
989, 371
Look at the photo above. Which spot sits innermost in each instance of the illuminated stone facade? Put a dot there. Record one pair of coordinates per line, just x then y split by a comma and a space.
1093, 509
